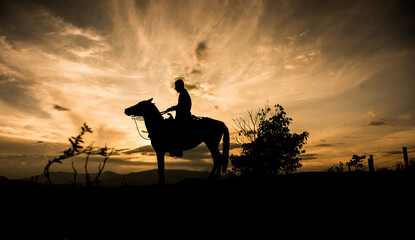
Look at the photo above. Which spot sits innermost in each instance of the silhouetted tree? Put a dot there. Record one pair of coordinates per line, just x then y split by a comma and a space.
268, 146
247, 127
357, 162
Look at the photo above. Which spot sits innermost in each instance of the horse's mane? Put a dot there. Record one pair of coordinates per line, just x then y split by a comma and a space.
155, 110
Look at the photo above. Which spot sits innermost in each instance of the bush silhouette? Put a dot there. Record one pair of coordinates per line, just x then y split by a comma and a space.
269, 148
335, 168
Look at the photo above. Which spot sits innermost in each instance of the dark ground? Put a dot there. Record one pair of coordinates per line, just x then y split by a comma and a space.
304, 204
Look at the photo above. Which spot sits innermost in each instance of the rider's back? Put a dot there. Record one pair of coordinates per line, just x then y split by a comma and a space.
184, 105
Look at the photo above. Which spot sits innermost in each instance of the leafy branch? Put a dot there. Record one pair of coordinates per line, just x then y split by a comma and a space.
75, 149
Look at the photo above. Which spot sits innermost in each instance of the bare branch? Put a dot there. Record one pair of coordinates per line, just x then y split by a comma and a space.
74, 174
103, 152
88, 153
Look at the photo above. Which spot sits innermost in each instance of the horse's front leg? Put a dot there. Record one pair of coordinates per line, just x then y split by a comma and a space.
160, 166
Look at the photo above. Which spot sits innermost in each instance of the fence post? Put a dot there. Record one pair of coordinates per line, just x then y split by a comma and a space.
370, 163
405, 158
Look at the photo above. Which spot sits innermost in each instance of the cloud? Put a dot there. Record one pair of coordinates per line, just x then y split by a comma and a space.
20, 94
191, 87
196, 71
200, 52
100, 56
387, 153
195, 154
144, 150
328, 144
310, 156
60, 108
324, 145
188, 86
377, 123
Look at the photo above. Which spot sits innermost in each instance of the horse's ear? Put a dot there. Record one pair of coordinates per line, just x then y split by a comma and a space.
151, 99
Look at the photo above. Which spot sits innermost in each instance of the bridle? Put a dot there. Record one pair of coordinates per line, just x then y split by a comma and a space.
140, 118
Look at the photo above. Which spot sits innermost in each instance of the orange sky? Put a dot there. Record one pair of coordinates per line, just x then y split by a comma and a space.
343, 70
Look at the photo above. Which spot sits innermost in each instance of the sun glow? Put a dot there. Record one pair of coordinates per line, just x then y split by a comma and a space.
348, 84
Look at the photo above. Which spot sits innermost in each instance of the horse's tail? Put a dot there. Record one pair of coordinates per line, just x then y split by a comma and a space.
225, 149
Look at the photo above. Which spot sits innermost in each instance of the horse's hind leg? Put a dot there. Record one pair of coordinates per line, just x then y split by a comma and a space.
215, 173
212, 174
160, 167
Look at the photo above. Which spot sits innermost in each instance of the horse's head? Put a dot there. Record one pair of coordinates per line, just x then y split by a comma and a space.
140, 109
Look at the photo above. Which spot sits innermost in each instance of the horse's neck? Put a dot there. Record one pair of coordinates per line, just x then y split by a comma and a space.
153, 120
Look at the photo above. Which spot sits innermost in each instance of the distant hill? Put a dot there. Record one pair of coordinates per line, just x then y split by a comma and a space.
109, 178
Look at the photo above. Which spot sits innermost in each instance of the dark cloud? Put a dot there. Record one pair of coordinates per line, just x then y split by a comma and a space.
26, 22
60, 108
81, 13
199, 165
188, 86
121, 150
388, 153
30, 25
377, 123
116, 162
327, 144
191, 86
324, 145
196, 71
310, 156
202, 152
17, 93
144, 150
196, 154
348, 28
201, 52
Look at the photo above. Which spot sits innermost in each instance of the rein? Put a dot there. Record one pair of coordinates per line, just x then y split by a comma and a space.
136, 125
138, 130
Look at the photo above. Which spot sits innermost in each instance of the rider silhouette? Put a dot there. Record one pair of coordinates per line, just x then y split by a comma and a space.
184, 104
182, 110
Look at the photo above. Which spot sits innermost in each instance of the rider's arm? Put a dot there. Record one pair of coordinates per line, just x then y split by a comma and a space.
173, 108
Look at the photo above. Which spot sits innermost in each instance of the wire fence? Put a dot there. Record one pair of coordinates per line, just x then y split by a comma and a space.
390, 159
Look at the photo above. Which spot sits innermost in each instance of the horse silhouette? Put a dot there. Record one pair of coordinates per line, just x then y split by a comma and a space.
167, 135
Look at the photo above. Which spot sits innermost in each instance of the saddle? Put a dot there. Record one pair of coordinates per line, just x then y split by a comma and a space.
176, 126
192, 118
178, 132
